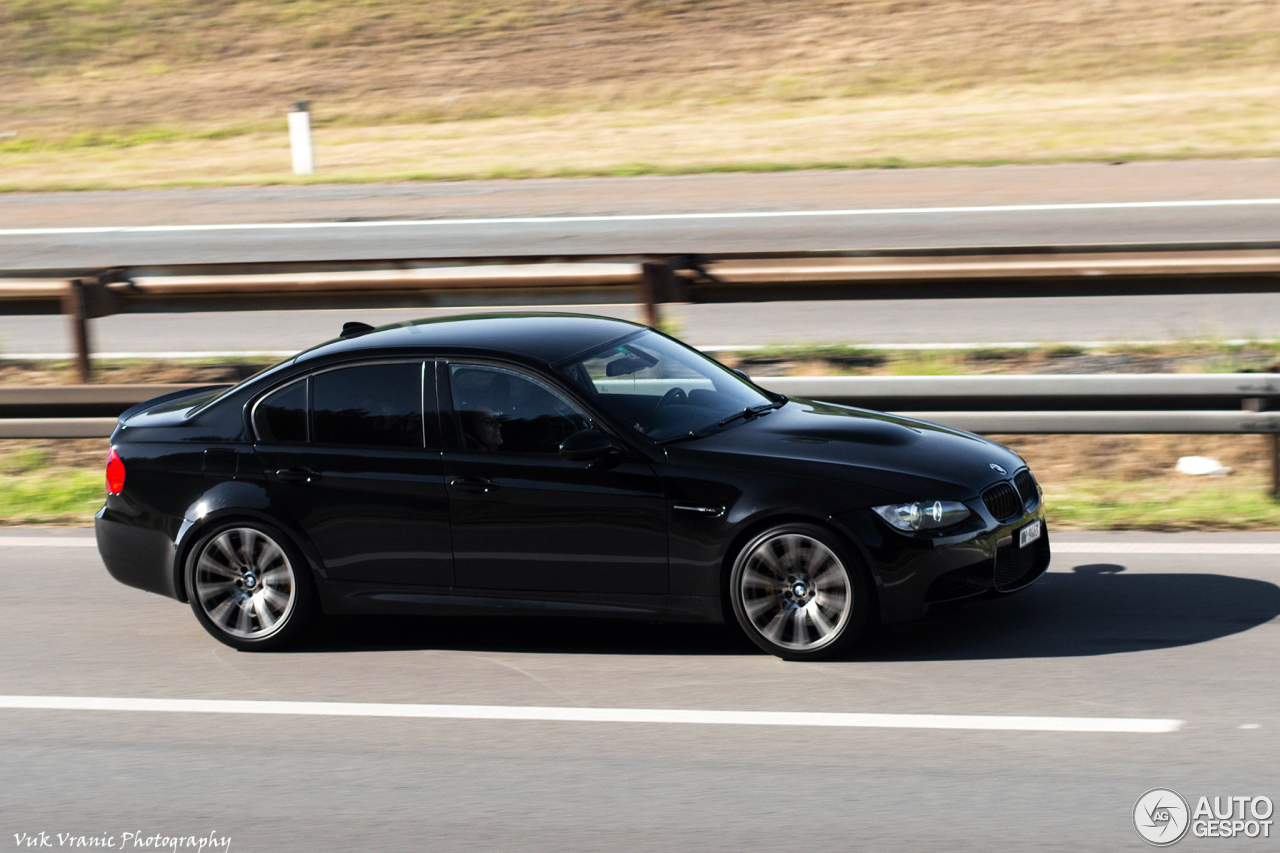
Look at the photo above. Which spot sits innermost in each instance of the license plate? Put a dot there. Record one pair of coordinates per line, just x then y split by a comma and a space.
1028, 534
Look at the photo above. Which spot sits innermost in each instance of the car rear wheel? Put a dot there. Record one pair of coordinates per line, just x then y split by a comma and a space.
798, 594
249, 588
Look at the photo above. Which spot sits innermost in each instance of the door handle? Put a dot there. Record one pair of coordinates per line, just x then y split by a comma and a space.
475, 485
298, 475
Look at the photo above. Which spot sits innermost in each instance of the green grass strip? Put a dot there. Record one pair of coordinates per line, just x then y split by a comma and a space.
51, 496
1150, 504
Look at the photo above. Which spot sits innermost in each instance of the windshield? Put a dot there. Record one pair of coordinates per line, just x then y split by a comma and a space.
661, 388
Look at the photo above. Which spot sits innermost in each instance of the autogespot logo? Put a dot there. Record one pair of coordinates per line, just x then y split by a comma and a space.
1161, 817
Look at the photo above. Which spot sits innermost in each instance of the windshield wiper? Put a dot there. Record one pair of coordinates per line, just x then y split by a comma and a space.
752, 412
749, 412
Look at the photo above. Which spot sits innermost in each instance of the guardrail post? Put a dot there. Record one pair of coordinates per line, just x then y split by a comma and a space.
654, 286
75, 305
1274, 440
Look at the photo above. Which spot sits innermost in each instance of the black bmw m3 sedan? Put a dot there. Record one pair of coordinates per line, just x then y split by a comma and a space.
554, 464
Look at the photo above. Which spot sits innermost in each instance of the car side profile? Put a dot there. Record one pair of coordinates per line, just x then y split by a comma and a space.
554, 464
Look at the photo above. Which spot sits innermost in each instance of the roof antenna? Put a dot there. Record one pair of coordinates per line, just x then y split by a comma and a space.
353, 329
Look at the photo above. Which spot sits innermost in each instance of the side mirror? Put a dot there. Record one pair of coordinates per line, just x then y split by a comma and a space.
741, 373
585, 445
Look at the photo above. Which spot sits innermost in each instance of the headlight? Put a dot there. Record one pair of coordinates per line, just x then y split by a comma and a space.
923, 515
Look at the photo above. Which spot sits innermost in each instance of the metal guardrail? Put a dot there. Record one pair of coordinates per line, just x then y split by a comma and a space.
56, 427
1107, 422
69, 397
84, 294
1240, 403
1041, 392
1020, 386
702, 278
1005, 423
1223, 390
1082, 403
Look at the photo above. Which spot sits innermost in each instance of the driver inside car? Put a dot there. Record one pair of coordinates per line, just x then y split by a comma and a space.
483, 429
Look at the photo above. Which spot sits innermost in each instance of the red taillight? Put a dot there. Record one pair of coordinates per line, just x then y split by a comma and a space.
115, 473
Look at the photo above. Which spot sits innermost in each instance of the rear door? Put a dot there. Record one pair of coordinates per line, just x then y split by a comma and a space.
353, 454
524, 517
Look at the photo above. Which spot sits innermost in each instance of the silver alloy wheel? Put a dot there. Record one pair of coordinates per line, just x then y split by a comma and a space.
795, 591
245, 583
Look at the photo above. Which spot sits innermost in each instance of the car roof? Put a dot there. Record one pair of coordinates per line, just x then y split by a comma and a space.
542, 336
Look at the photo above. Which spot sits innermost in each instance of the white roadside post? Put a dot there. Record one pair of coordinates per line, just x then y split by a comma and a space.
300, 139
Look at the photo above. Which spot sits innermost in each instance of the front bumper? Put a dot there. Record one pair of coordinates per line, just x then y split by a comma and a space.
915, 575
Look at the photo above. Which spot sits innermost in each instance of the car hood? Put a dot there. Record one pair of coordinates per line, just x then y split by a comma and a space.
914, 459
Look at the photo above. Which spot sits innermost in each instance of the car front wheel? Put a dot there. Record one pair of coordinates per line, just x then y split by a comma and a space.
798, 594
249, 587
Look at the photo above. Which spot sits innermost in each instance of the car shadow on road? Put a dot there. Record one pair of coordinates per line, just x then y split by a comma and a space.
531, 635
1095, 609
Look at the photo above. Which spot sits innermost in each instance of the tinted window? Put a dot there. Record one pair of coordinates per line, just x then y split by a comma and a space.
371, 405
281, 417
497, 409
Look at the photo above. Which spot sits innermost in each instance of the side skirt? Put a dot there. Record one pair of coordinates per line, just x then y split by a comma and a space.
353, 598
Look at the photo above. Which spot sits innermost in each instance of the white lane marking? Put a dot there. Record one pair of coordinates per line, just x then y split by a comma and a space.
1127, 725
47, 542
1218, 548
643, 217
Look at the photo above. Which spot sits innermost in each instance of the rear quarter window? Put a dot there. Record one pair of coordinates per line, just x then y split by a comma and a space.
281, 416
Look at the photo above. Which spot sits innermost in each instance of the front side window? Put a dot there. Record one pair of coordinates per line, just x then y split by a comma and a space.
661, 388
368, 405
499, 409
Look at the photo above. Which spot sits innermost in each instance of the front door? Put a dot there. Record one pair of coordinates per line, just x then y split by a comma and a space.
351, 458
525, 518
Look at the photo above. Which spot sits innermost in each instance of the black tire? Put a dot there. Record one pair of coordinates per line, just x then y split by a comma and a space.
799, 594
250, 588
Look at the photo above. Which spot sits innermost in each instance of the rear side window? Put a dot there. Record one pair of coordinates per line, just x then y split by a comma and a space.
369, 405
281, 417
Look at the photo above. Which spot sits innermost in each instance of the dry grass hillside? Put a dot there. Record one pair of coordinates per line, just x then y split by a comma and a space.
190, 91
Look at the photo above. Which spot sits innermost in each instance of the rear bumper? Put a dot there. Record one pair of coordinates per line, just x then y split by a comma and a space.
137, 556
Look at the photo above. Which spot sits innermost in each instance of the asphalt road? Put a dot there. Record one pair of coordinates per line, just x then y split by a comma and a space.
1113, 631
997, 206
624, 234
